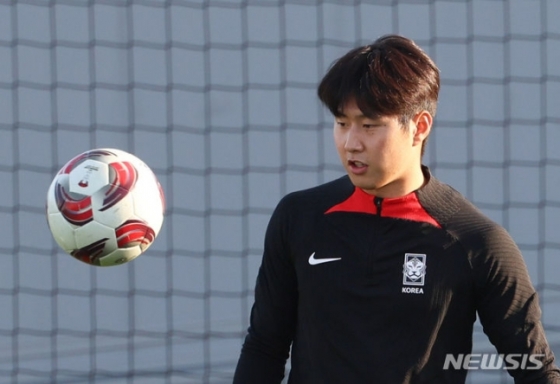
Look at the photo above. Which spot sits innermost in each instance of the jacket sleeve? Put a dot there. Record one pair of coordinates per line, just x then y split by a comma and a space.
273, 315
509, 311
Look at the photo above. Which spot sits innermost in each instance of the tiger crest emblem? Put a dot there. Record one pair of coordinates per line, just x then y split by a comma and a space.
414, 269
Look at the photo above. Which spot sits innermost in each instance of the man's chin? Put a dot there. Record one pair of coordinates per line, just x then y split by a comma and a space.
360, 182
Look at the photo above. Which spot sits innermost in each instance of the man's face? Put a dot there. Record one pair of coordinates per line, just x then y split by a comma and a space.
378, 154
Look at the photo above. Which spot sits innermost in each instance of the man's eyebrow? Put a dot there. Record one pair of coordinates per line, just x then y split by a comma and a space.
362, 116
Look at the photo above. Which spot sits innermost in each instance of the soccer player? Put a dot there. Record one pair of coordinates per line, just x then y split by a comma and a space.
378, 276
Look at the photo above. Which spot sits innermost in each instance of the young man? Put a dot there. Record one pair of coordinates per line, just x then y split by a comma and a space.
377, 277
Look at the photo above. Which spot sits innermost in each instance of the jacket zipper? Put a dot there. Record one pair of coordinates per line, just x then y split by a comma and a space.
377, 201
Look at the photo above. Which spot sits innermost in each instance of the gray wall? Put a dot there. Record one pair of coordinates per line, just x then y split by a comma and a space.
218, 97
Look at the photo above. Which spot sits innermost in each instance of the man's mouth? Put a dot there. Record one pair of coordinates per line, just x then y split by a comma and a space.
357, 167
356, 164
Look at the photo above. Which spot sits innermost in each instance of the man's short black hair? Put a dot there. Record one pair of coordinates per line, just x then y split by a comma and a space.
392, 76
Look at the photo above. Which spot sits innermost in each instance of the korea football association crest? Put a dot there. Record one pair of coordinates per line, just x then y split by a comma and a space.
414, 269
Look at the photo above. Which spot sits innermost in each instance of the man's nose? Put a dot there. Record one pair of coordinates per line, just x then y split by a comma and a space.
353, 141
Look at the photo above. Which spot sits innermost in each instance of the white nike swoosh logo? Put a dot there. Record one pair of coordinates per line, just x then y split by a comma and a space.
314, 261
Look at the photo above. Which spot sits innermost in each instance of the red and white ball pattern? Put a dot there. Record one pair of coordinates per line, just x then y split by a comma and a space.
105, 207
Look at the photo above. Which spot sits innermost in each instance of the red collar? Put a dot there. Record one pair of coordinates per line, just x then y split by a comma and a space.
406, 207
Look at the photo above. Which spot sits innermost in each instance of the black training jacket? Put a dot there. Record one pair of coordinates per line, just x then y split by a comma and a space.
371, 290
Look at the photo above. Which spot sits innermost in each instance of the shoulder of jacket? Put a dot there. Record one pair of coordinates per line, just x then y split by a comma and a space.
319, 197
462, 219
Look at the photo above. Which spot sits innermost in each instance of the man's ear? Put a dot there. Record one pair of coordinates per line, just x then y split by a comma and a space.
423, 126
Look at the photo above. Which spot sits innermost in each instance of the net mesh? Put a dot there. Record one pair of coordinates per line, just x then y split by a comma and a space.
218, 97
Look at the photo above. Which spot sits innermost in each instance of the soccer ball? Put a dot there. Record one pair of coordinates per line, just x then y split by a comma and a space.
105, 207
